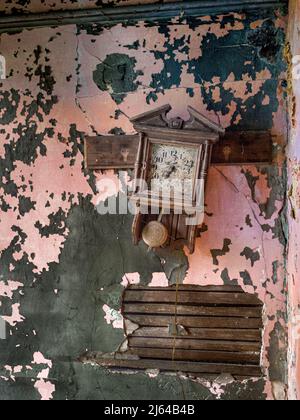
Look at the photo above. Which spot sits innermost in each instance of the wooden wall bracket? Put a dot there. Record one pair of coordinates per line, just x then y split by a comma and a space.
235, 148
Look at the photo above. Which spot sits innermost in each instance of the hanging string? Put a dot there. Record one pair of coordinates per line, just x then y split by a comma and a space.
175, 319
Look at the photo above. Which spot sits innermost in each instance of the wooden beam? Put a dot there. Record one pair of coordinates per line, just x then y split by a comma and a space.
189, 287
191, 297
170, 366
203, 333
235, 148
199, 356
156, 12
194, 344
196, 321
195, 310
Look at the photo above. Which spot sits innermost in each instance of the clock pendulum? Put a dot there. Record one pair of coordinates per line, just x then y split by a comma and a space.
155, 234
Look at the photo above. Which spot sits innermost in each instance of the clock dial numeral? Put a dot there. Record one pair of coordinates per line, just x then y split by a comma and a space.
172, 167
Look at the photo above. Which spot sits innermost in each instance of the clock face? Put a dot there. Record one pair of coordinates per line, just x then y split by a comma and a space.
173, 167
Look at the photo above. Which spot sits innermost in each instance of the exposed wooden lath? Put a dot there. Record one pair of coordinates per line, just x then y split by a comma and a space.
192, 329
132, 14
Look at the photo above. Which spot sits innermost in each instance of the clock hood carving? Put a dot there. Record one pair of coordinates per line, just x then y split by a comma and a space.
158, 119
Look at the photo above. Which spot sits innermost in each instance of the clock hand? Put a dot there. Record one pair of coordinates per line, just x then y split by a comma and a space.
170, 171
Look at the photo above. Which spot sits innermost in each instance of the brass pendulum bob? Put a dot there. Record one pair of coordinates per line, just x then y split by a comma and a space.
155, 234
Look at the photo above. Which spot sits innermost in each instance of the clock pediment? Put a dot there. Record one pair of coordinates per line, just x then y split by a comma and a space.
158, 119
154, 118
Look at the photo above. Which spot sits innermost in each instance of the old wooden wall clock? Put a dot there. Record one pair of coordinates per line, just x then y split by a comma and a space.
170, 175
160, 150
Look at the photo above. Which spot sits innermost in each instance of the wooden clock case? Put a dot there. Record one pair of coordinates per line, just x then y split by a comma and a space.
197, 132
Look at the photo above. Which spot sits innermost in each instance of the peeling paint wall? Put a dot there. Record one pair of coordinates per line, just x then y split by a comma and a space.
37, 6
294, 204
63, 266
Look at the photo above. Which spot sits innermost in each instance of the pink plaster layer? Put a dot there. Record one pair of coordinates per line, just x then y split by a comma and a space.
236, 191
131, 278
294, 214
7, 289
39, 359
49, 181
159, 280
113, 317
53, 176
15, 318
113, 40
45, 388
42, 384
